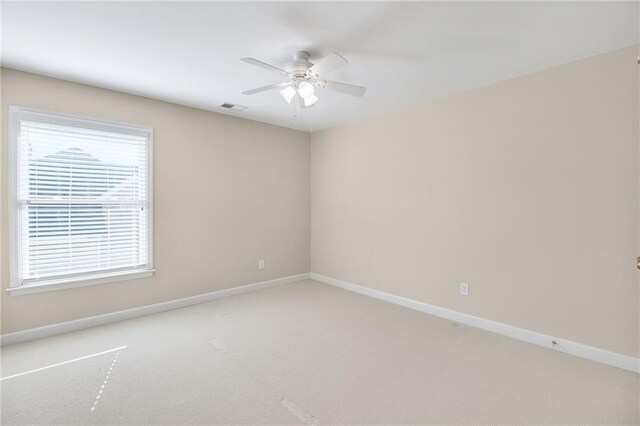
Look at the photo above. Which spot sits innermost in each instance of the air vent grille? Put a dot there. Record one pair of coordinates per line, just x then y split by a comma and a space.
233, 107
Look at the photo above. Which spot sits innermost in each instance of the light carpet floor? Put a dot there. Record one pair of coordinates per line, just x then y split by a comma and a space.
305, 353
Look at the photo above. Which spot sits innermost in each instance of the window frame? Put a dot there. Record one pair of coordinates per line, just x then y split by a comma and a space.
16, 284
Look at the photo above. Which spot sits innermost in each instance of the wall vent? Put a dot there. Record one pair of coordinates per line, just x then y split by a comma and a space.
233, 107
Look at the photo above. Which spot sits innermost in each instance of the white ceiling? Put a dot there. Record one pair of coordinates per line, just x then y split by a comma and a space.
405, 53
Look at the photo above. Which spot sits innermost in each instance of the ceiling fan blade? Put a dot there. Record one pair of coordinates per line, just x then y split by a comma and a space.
327, 64
347, 89
263, 65
265, 88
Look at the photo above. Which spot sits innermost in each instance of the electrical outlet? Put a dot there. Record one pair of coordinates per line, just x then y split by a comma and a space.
464, 289
261, 264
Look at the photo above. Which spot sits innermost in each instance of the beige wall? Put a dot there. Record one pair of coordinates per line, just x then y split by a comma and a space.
227, 192
526, 189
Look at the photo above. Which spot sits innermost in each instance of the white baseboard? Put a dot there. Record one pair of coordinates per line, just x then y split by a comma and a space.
578, 349
75, 325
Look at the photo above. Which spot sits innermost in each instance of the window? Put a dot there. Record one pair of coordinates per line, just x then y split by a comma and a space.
80, 208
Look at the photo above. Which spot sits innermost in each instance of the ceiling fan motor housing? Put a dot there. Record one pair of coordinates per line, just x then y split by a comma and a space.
299, 66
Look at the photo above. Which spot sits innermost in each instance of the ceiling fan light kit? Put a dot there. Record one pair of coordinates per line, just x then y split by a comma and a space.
305, 89
304, 77
288, 93
310, 100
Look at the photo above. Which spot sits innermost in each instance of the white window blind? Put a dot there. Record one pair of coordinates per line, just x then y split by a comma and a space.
81, 205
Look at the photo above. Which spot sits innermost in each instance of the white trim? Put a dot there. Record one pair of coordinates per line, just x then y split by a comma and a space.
149, 199
602, 356
15, 268
80, 324
90, 122
16, 283
80, 281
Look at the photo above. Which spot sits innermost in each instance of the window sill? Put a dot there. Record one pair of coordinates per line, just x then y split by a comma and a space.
66, 283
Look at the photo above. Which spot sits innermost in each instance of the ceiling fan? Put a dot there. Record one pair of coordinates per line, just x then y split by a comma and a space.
304, 76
